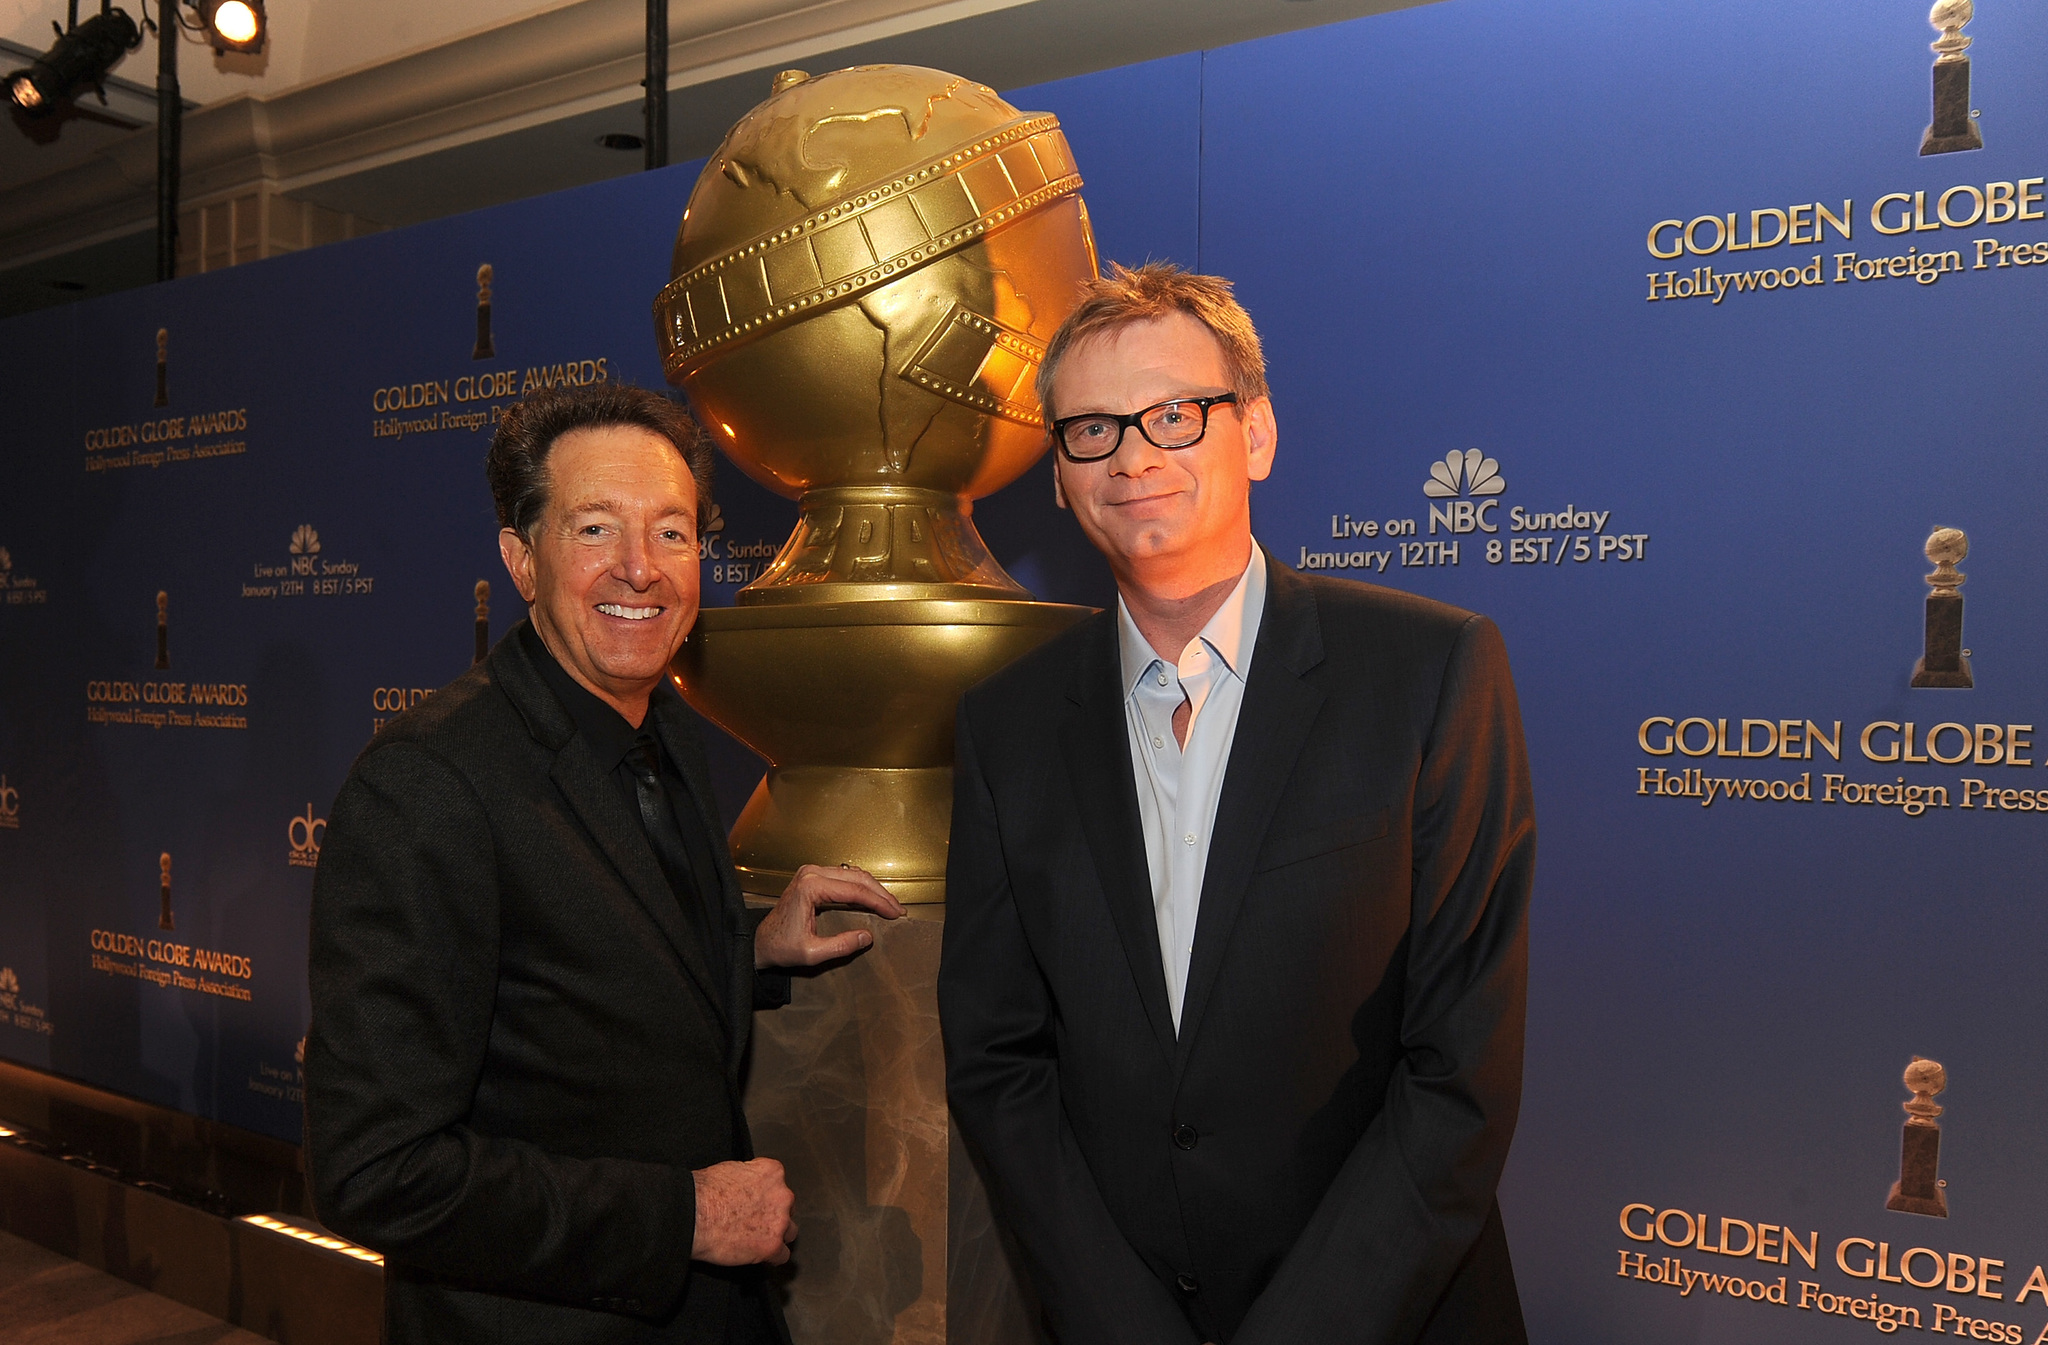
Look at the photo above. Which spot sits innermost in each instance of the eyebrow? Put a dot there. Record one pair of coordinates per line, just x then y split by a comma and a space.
1171, 397
614, 507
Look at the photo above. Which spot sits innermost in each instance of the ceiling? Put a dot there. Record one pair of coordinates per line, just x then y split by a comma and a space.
397, 112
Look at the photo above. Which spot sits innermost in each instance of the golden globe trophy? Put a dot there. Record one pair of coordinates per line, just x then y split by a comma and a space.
485, 348
1955, 123
1919, 1189
864, 282
482, 593
1944, 662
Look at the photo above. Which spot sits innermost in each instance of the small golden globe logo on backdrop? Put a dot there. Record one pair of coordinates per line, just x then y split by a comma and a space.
1919, 1189
485, 348
1944, 662
10, 806
1954, 126
10, 984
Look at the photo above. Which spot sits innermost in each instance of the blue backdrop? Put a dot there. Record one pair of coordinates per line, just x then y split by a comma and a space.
1707, 508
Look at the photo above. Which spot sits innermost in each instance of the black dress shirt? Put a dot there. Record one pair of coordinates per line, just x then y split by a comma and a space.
691, 877
612, 740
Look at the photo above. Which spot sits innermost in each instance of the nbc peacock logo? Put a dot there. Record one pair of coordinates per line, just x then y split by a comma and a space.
305, 548
17, 588
1468, 473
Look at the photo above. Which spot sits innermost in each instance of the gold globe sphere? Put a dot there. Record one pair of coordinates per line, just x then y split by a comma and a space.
864, 282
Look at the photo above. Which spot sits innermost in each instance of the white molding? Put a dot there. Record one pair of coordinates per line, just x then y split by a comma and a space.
582, 57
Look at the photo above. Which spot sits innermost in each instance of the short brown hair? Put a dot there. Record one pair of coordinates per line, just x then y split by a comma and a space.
1156, 290
517, 462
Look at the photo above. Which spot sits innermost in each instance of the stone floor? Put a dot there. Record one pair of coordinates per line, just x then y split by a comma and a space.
47, 1299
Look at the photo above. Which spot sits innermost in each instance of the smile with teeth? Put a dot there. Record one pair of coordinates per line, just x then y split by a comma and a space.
629, 613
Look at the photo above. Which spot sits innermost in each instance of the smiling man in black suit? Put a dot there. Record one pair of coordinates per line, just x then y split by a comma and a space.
532, 971
1235, 950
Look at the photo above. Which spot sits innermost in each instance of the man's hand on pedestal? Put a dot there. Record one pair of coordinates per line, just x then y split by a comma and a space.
789, 936
743, 1214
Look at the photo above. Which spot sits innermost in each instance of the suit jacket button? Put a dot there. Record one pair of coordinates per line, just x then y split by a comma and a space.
1187, 1283
1185, 1136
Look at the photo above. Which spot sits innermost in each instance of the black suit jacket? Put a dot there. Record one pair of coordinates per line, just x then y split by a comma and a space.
519, 1052
1314, 1156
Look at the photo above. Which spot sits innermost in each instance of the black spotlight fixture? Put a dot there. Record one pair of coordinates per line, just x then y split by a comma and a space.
233, 25
79, 61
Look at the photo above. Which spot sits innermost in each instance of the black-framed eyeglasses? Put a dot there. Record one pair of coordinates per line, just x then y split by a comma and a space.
1180, 423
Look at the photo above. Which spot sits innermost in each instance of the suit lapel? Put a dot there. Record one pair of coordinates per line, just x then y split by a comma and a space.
1273, 723
675, 725
1096, 744
596, 801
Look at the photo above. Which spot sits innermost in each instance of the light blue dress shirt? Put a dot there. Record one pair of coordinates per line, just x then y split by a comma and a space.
1178, 787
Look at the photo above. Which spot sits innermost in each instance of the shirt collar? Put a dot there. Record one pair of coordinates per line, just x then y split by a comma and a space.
605, 729
1231, 632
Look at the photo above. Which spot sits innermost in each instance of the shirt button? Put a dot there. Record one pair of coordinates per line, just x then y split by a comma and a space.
1189, 838
1158, 741
1184, 1137
1187, 1283
1162, 679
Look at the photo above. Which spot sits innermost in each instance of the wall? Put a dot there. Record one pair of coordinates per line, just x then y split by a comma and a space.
1439, 218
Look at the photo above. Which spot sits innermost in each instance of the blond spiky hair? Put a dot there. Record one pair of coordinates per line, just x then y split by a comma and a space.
1156, 290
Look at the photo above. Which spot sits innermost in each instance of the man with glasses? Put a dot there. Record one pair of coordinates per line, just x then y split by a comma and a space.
1236, 941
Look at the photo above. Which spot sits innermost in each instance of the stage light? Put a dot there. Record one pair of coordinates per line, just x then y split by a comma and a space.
233, 25
80, 59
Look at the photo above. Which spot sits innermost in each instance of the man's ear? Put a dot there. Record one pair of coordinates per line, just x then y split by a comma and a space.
1261, 437
518, 558
1059, 492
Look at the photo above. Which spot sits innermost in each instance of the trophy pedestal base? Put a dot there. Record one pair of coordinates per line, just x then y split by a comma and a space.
1958, 676
1917, 1191
1944, 664
848, 1091
854, 702
1935, 1206
1930, 143
1953, 129
893, 823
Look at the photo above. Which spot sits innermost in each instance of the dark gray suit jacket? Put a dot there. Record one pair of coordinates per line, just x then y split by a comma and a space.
519, 1051
1313, 1157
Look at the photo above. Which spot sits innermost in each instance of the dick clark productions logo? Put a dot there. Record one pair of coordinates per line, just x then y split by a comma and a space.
304, 835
